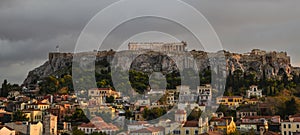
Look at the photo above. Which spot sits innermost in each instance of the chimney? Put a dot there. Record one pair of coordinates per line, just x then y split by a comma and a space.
291, 119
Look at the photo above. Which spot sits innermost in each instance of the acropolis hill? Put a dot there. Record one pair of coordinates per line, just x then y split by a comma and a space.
271, 63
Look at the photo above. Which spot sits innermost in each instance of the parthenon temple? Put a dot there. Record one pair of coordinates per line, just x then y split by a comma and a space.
158, 46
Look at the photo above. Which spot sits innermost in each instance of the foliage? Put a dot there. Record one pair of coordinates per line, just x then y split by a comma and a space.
226, 111
195, 114
19, 116
77, 116
53, 84
128, 114
110, 99
151, 114
78, 132
7, 87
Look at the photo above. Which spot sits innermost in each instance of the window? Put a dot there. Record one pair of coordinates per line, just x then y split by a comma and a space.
284, 125
187, 132
289, 125
298, 126
176, 131
284, 133
196, 132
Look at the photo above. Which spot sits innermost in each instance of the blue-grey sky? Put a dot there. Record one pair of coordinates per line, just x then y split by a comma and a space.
32, 28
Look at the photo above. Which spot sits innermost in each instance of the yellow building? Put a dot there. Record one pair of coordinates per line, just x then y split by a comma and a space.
41, 106
34, 115
36, 129
224, 124
231, 101
291, 126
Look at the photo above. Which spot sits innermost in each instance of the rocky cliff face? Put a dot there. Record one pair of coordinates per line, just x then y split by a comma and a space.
270, 63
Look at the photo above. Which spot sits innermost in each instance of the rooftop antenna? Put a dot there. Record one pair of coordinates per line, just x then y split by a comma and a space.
57, 48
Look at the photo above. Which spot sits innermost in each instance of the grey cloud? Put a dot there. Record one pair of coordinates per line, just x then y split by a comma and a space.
30, 29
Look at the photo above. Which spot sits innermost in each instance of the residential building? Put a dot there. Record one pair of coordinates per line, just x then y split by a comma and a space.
246, 110
97, 124
180, 116
231, 101
103, 92
186, 95
193, 127
224, 124
5, 130
38, 105
5, 116
34, 115
205, 94
291, 126
171, 99
136, 125
149, 131
259, 123
50, 124
254, 92
26, 128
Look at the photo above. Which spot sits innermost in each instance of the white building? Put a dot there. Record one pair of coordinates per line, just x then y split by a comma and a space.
185, 95
254, 91
180, 116
205, 94
137, 125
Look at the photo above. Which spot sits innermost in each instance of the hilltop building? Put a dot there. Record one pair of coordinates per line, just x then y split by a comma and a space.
158, 46
254, 91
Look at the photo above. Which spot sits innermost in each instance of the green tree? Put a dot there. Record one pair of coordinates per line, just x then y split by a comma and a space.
291, 107
110, 99
4, 89
195, 114
78, 132
150, 114
19, 116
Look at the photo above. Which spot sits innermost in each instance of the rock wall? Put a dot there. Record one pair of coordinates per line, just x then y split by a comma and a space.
270, 63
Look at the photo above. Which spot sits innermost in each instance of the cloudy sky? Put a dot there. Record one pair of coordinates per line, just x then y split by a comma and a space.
32, 28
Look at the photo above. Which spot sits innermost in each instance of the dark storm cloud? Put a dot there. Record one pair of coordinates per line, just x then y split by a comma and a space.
30, 29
